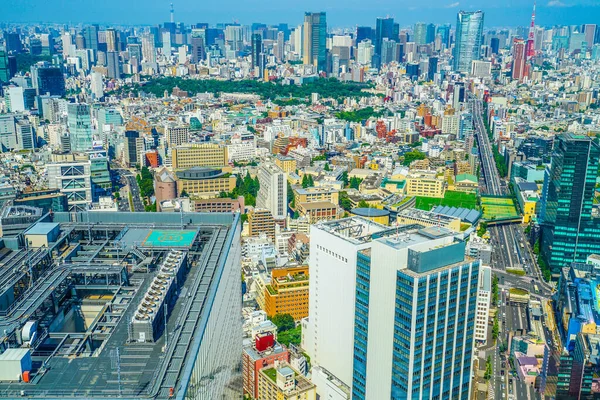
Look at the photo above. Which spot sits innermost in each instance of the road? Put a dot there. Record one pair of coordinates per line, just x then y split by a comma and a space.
128, 179
511, 251
506, 239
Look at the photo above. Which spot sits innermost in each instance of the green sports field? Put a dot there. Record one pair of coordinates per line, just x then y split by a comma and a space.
451, 199
498, 208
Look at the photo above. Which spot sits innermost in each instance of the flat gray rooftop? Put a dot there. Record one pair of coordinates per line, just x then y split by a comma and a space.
142, 370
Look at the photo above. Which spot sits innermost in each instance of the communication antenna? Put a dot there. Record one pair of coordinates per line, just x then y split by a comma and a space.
172, 14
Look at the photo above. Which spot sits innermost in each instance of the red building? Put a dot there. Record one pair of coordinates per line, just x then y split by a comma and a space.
519, 58
262, 353
152, 159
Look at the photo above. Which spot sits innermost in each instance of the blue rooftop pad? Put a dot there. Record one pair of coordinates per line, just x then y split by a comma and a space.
42, 228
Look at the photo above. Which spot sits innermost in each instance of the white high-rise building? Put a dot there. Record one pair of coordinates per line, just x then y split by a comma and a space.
148, 51
450, 124
62, 175
328, 332
272, 194
483, 304
166, 39
365, 52
392, 310
182, 54
97, 85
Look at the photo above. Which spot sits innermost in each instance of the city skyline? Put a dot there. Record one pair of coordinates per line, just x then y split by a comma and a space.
512, 12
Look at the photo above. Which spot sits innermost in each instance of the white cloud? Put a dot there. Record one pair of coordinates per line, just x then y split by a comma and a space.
453, 5
556, 3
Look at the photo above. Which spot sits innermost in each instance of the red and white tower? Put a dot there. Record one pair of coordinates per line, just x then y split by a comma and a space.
530, 48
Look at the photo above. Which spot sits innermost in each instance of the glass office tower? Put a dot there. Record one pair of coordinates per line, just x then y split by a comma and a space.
469, 34
79, 122
570, 233
315, 40
416, 298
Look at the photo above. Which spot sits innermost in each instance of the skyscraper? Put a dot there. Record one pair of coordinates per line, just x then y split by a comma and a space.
90, 33
391, 311
80, 126
432, 67
198, 42
364, 32
272, 194
420, 33
112, 64
112, 40
569, 231
384, 29
48, 79
256, 50
315, 35
444, 32
424, 33
469, 34
589, 30
519, 57
5, 71
416, 298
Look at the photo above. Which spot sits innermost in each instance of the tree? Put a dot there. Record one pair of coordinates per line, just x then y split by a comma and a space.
344, 201
283, 322
345, 178
488, 369
495, 328
413, 156
355, 182
326, 167
495, 289
363, 204
307, 181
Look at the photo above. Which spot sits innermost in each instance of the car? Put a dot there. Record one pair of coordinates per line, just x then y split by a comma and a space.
502, 372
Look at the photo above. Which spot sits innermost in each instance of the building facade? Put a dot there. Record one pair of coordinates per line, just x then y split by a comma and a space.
469, 35
199, 155
272, 194
570, 233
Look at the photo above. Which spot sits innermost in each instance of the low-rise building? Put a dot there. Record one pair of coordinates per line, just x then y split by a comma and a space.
466, 183
219, 205
315, 194
260, 220
281, 382
319, 211
199, 155
262, 352
425, 183
204, 183
287, 292
428, 218
286, 163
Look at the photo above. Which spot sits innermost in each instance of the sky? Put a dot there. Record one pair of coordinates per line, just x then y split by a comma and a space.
340, 13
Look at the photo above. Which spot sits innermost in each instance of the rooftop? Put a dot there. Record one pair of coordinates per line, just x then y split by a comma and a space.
42, 228
106, 273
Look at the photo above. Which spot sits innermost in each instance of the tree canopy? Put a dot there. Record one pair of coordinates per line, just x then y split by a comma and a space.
330, 88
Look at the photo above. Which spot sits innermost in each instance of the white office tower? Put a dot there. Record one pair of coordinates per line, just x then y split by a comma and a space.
365, 52
484, 297
97, 85
166, 38
272, 194
392, 311
182, 54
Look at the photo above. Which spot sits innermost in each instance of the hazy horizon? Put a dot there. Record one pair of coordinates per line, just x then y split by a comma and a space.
339, 14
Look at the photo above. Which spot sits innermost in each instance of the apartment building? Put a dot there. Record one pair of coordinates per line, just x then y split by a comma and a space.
199, 155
